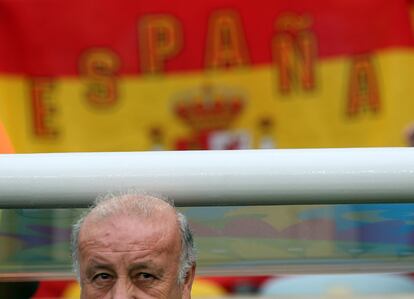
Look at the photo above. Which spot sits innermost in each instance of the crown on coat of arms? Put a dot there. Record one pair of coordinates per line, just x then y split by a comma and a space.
210, 109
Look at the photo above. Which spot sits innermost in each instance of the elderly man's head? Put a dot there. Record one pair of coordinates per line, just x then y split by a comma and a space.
134, 246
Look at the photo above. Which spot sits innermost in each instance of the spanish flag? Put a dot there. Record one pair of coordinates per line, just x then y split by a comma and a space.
104, 75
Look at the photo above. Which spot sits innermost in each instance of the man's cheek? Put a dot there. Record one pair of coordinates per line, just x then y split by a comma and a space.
88, 292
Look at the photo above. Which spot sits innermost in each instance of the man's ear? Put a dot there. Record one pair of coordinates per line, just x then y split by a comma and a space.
188, 283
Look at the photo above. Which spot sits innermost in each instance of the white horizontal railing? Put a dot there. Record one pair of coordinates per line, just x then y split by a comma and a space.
194, 178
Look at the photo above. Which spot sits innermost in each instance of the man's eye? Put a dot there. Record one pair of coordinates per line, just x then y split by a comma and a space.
102, 278
145, 276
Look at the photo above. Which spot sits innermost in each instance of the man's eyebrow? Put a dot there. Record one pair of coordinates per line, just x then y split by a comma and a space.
146, 265
94, 265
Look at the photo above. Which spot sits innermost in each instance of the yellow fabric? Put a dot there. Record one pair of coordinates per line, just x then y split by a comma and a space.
72, 291
301, 118
202, 288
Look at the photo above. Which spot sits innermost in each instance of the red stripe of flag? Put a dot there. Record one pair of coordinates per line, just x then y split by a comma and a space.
47, 37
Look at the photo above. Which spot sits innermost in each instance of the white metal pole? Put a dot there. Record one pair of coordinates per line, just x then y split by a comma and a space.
194, 178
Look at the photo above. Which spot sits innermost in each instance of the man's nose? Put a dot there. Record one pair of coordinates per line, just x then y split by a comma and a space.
123, 289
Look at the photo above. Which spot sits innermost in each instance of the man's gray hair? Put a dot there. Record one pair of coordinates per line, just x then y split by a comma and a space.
142, 204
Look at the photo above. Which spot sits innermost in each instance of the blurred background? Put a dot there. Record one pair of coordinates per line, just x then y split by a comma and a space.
131, 75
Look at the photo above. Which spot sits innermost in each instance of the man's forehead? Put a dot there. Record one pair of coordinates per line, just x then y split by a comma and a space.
124, 231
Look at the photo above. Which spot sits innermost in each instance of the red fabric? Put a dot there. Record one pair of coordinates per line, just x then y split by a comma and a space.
51, 289
47, 37
231, 283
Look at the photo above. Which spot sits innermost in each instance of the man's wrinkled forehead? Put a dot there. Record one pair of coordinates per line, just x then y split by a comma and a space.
123, 229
